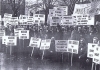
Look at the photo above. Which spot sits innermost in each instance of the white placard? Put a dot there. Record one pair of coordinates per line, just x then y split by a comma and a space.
35, 42
45, 44
90, 50
73, 46
30, 20
11, 41
4, 40
83, 19
96, 58
23, 34
2, 33
61, 45
67, 20
82, 8
14, 20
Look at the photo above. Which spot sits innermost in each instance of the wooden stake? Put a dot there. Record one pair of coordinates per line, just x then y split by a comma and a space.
72, 59
95, 66
92, 66
42, 54
32, 51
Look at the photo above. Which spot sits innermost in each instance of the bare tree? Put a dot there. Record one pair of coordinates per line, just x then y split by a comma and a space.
15, 5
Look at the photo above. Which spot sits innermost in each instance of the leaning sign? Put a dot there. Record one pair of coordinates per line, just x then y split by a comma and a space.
73, 46
35, 42
96, 58
45, 44
61, 45
23, 34
90, 51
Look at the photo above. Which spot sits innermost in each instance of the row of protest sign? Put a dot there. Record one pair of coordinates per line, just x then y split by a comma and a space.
24, 19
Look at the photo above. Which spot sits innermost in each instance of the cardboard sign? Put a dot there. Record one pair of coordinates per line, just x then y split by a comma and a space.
35, 42
55, 20
6, 18
61, 45
67, 20
90, 49
23, 19
96, 58
11, 41
14, 21
73, 46
4, 40
16, 31
2, 33
39, 19
45, 44
23, 34
83, 19
30, 20
82, 8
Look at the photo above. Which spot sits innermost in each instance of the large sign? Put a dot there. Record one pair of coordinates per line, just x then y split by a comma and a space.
55, 20
11, 41
82, 8
23, 19
90, 51
96, 58
23, 34
61, 45
45, 44
73, 46
14, 20
30, 20
67, 20
39, 19
83, 19
4, 40
35, 42
2, 33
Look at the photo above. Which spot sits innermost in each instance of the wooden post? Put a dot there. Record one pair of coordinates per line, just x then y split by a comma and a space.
72, 59
32, 51
95, 66
92, 66
10, 49
42, 54
62, 57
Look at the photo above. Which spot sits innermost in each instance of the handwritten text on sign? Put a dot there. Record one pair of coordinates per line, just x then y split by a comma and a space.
45, 44
90, 51
35, 42
73, 46
96, 58
23, 34
61, 45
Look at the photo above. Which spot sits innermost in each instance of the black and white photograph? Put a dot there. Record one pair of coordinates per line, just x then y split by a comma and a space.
49, 34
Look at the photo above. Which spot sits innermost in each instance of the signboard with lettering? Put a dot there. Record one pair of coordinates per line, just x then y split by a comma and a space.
61, 45
45, 44
2, 33
96, 58
11, 41
73, 46
35, 42
90, 50
23, 34
67, 20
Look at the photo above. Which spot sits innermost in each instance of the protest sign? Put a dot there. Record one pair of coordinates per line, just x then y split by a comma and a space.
96, 56
51, 12
30, 20
61, 45
6, 18
73, 46
11, 40
82, 8
90, 50
45, 44
4, 40
83, 19
23, 19
39, 19
14, 20
67, 20
23, 34
2, 33
55, 20
35, 42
